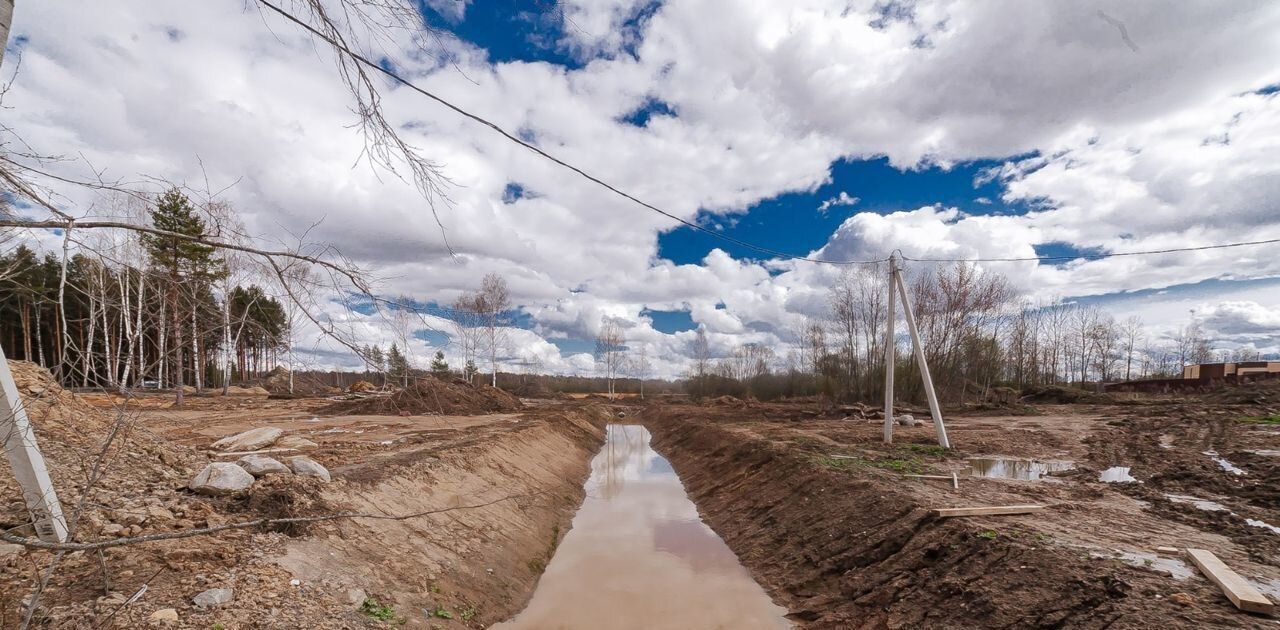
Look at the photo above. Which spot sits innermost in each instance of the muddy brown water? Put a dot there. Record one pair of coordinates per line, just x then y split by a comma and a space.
639, 556
1014, 468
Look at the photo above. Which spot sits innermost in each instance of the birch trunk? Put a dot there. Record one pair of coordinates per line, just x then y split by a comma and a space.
196, 361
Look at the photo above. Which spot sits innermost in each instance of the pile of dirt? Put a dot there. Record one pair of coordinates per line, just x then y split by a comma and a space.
432, 396
276, 382
1256, 393
360, 387
1057, 394
235, 390
134, 468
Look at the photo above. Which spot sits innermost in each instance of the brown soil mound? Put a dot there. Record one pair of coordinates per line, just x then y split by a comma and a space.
359, 387
1056, 394
276, 382
1258, 393
137, 470
432, 396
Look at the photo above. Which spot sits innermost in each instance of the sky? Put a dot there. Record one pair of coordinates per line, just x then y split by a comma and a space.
842, 130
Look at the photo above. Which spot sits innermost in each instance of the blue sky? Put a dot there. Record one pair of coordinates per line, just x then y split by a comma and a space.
984, 130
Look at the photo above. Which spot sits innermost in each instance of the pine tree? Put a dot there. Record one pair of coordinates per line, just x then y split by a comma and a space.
397, 365
439, 367
184, 262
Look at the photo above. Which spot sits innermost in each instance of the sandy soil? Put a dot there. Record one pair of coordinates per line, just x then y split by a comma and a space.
848, 543
499, 490
843, 542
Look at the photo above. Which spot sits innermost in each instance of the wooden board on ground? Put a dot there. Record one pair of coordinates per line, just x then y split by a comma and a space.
1239, 591
986, 510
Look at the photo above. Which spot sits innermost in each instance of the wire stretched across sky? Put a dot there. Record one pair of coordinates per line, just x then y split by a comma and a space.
690, 224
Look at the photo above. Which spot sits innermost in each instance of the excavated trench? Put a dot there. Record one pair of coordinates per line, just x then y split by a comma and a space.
639, 556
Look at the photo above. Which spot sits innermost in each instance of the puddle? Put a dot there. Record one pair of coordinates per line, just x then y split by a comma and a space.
1200, 504
1270, 588
639, 556
1263, 525
1150, 561
1226, 465
1020, 469
1116, 474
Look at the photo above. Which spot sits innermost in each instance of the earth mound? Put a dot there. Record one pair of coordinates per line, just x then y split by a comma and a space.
106, 453
1057, 394
432, 396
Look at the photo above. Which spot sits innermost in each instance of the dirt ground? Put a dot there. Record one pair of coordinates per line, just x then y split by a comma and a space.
491, 494
820, 512
811, 501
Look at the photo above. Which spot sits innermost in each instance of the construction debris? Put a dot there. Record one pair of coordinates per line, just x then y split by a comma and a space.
1236, 588
986, 511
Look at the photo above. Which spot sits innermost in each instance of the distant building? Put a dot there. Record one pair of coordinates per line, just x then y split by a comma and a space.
1242, 369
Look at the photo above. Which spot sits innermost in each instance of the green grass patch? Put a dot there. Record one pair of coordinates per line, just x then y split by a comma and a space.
443, 613
839, 463
1271, 419
377, 610
910, 466
468, 613
932, 450
907, 464
989, 534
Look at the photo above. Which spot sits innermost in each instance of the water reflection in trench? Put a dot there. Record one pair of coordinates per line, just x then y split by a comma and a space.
638, 556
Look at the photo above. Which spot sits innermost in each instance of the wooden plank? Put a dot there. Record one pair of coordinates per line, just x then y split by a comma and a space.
1236, 588
986, 510
1168, 551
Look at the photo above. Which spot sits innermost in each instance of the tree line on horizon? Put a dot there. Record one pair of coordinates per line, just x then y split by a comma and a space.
979, 336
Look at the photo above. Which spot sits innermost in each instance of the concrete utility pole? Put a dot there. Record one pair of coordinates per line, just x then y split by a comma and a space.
19, 440
27, 462
6, 21
897, 286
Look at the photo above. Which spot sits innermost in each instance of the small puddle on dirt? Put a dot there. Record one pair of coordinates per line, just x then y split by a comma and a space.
1020, 469
1225, 465
1173, 566
1116, 474
1200, 504
639, 556
1262, 525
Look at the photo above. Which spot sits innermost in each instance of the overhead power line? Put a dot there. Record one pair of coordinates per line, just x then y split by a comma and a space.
690, 224
1098, 256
